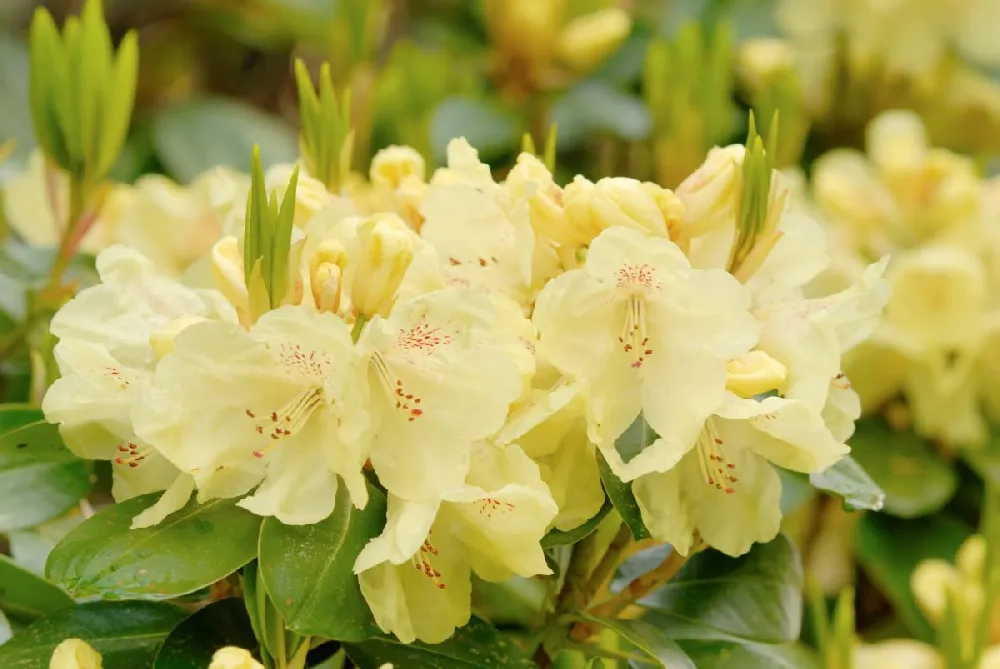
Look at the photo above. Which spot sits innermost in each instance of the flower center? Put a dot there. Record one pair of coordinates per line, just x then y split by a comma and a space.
132, 455
422, 561
633, 338
404, 402
716, 469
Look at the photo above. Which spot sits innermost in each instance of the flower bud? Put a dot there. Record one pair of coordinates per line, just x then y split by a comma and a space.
669, 205
525, 29
754, 373
232, 657
761, 59
614, 201
589, 39
387, 248
75, 654
712, 193
162, 340
530, 179
228, 274
395, 164
326, 271
310, 194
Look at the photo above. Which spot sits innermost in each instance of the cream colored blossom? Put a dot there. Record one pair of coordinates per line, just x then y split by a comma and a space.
394, 165
612, 202
484, 238
440, 377
75, 654
105, 355
415, 576
646, 333
898, 654
280, 405
588, 39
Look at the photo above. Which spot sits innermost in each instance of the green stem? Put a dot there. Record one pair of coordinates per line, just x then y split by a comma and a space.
70, 239
606, 568
990, 529
359, 325
574, 592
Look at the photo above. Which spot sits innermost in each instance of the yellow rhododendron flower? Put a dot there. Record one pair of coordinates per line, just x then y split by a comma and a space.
106, 356
415, 576
438, 382
897, 654
484, 238
75, 654
646, 333
280, 405
232, 657
611, 202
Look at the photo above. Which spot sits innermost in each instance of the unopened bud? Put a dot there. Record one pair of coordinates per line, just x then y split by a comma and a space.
971, 558
760, 59
669, 205
531, 180
754, 373
525, 29
310, 194
616, 201
232, 657
395, 164
162, 340
711, 194
326, 271
75, 654
589, 39
228, 274
931, 583
387, 248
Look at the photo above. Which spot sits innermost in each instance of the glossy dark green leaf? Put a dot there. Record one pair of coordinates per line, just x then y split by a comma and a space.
25, 597
475, 646
39, 478
635, 439
651, 640
192, 644
309, 569
756, 597
849, 481
562, 538
915, 479
126, 634
889, 549
491, 128
730, 655
620, 494
191, 549
197, 135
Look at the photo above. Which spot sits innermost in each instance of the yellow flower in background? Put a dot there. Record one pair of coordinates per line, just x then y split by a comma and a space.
898, 654
907, 37
75, 654
40, 219
232, 657
587, 40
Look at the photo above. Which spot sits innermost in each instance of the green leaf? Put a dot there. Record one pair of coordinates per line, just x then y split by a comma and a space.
915, 479
197, 135
126, 634
620, 494
192, 548
15, 103
635, 439
649, 639
25, 597
30, 548
596, 108
889, 549
756, 597
192, 644
729, 655
39, 478
563, 538
849, 481
309, 569
492, 129
475, 646
118, 112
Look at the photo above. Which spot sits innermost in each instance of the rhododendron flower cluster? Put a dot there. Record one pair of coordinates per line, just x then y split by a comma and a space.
476, 351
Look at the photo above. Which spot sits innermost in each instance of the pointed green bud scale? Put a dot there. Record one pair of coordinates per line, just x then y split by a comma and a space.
326, 139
